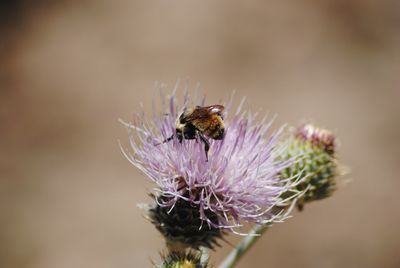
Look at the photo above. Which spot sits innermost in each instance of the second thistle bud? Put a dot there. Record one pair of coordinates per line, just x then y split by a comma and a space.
180, 259
316, 165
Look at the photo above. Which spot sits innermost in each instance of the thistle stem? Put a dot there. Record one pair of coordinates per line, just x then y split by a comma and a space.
246, 243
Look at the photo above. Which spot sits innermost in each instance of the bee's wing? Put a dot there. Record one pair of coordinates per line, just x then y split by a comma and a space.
202, 113
195, 114
215, 109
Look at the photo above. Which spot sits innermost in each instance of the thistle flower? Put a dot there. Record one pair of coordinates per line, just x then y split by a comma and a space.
317, 165
240, 182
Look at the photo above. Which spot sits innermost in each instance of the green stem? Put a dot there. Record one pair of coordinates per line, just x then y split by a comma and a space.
235, 255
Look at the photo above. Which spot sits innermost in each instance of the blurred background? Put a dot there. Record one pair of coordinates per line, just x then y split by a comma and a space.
70, 69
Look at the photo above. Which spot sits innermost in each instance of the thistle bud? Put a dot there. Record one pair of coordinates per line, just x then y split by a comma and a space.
316, 165
180, 259
182, 225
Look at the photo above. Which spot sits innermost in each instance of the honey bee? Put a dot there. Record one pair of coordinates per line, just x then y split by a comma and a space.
200, 123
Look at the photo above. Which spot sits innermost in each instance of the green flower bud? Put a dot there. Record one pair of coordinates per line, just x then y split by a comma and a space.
316, 164
181, 259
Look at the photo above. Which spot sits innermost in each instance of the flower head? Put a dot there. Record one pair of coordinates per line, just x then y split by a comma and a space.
240, 181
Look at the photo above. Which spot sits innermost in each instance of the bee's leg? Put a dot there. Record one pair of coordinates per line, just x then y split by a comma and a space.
168, 139
206, 144
179, 136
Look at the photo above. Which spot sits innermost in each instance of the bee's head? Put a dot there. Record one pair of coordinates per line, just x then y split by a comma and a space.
185, 112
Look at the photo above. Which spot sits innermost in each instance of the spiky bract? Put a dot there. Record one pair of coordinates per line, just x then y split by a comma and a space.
182, 225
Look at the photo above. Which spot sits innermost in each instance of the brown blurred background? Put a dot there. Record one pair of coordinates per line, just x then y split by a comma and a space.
70, 69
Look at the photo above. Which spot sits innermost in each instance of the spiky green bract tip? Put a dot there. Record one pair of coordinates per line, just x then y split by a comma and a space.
316, 163
182, 225
179, 259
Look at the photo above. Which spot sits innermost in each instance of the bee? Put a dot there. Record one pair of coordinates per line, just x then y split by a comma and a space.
200, 123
